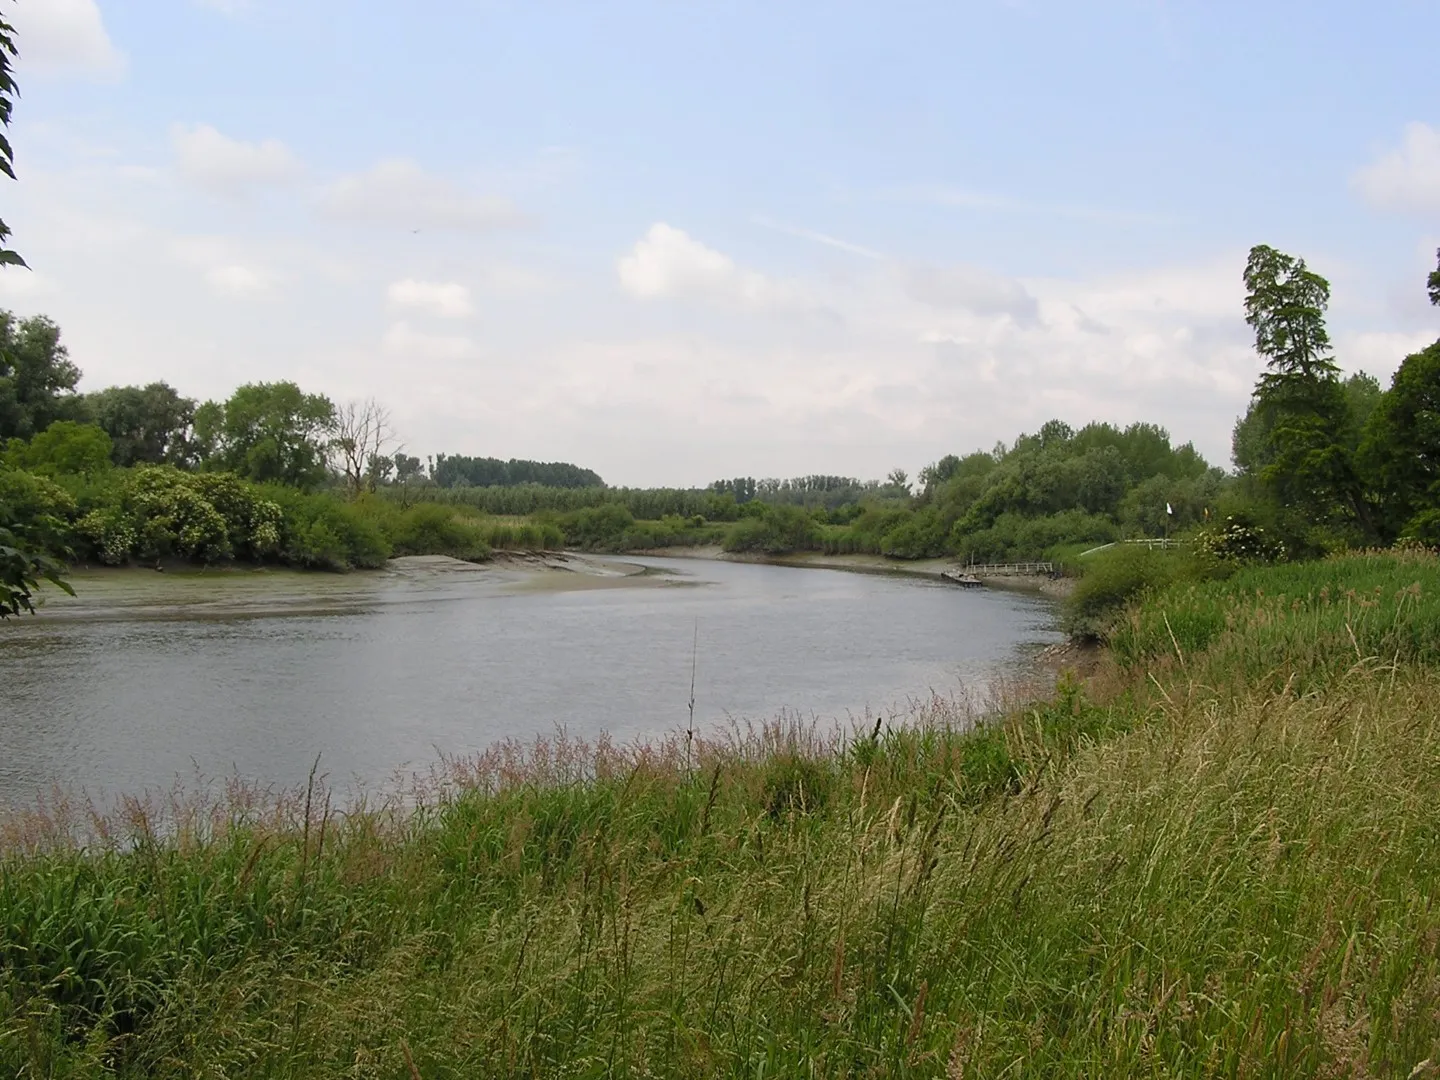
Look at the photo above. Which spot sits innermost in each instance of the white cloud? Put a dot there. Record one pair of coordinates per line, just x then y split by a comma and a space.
236, 280
1407, 178
402, 339
65, 37
512, 279
226, 267
400, 193
449, 300
668, 263
228, 166
1379, 352
972, 289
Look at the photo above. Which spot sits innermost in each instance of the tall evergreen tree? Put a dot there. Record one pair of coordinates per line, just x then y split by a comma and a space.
1304, 433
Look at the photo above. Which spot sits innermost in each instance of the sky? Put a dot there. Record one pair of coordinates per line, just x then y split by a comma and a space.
677, 241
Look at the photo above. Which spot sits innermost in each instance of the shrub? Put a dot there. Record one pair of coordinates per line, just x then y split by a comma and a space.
919, 536
323, 532
1114, 578
1237, 540
597, 527
774, 530
1423, 529
27, 496
431, 529
157, 512
254, 524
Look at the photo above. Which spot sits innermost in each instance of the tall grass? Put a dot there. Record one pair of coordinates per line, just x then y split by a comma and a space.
1301, 623
1129, 879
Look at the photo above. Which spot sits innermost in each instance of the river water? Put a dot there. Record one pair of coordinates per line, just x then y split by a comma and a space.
141, 685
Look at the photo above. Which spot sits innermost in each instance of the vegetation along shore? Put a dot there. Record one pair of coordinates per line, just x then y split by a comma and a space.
1215, 855
277, 475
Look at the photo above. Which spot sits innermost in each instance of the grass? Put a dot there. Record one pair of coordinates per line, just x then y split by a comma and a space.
1152, 875
1305, 624
1111, 581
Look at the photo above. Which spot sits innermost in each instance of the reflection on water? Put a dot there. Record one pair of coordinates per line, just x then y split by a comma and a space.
377, 672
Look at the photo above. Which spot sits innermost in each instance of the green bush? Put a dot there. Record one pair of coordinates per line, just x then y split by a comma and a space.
774, 530
597, 528
431, 529
254, 524
156, 512
1237, 540
1016, 538
26, 497
63, 448
324, 532
921, 535
1116, 577
1424, 529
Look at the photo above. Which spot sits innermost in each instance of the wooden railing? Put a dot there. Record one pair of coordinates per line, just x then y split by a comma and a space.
1006, 569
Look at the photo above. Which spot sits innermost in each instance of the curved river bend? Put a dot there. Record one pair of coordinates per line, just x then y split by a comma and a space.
384, 671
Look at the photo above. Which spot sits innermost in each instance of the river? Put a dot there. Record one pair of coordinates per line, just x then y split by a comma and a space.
152, 679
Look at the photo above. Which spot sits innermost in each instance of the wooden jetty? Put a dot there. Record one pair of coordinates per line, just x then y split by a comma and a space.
975, 574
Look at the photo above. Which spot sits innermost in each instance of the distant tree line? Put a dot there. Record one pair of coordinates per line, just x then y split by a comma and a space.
457, 470
812, 492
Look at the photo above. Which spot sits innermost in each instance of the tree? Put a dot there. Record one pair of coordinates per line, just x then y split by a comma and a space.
1252, 445
23, 563
268, 432
362, 431
899, 478
1306, 432
933, 475
458, 470
409, 472
1401, 446
37, 379
147, 425
1285, 305
64, 448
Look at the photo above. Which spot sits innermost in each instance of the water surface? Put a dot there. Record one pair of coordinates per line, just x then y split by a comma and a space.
385, 671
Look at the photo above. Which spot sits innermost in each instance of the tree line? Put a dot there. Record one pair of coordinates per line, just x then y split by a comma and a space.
1321, 461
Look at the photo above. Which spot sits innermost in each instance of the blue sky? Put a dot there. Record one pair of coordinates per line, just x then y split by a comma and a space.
675, 241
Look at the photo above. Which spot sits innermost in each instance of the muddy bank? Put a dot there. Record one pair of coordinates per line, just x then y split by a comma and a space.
1081, 657
872, 564
186, 591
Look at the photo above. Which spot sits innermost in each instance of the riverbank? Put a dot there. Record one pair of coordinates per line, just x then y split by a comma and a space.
1215, 858
180, 588
935, 569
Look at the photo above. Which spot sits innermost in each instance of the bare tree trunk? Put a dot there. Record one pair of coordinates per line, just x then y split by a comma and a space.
362, 433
